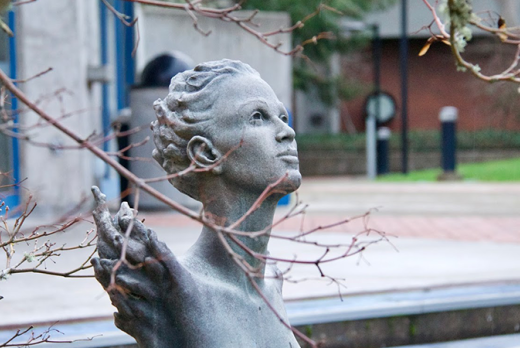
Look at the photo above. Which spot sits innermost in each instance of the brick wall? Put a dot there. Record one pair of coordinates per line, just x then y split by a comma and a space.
314, 163
434, 82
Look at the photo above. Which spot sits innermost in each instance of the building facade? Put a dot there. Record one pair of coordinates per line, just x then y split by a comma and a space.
433, 79
94, 67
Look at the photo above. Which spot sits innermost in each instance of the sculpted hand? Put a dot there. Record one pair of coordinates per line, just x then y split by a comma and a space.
111, 231
143, 287
144, 295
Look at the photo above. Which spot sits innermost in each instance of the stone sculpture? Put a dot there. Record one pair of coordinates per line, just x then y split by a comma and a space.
225, 120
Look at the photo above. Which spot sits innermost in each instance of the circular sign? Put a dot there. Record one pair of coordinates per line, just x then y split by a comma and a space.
386, 104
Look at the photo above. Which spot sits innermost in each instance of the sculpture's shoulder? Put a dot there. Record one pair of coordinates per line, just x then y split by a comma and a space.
245, 319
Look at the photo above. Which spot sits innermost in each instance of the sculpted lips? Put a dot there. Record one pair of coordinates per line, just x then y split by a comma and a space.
290, 155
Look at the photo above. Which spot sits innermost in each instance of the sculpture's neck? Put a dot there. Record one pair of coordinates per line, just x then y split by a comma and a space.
238, 215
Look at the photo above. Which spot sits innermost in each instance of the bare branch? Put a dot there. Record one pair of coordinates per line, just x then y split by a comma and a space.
95, 150
269, 190
286, 324
193, 8
454, 37
22, 2
34, 76
34, 338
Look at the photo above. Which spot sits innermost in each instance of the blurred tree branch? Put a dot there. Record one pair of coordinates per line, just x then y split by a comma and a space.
456, 21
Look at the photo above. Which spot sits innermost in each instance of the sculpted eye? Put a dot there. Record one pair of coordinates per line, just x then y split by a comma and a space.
284, 118
256, 118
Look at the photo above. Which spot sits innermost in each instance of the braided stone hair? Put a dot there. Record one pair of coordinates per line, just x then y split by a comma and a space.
187, 112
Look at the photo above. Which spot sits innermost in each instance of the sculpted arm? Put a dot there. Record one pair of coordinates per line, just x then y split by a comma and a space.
143, 288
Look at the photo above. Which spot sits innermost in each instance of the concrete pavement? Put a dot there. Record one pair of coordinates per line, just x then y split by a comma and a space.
505, 341
439, 235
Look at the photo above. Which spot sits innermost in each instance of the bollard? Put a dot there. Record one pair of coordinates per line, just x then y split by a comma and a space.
448, 117
383, 158
371, 146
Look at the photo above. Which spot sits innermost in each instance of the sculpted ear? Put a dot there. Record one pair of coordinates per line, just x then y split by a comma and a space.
202, 152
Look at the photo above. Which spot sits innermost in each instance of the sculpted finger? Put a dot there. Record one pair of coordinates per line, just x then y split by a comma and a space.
136, 253
159, 249
102, 272
99, 197
120, 300
130, 282
109, 237
125, 218
136, 286
134, 326
129, 304
164, 255
125, 210
137, 248
109, 245
100, 208
124, 323
156, 270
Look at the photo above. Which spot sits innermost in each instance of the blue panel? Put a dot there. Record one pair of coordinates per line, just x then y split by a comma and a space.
124, 37
129, 47
13, 200
286, 199
120, 61
105, 113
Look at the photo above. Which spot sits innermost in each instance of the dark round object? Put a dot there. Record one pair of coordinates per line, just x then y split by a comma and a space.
159, 71
387, 107
317, 120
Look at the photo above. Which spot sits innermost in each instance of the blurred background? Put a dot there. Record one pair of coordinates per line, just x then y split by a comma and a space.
379, 125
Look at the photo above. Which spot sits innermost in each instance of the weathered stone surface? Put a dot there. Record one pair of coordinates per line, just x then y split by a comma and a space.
224, 120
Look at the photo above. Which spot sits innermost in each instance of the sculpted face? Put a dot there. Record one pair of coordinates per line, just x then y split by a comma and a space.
248, 110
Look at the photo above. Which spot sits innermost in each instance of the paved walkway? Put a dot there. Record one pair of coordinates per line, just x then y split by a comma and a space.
440, 234
452, 211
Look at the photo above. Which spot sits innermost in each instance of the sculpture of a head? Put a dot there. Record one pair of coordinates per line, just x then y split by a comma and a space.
192, 112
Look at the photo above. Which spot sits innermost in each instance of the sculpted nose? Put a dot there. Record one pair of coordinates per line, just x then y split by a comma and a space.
285, 133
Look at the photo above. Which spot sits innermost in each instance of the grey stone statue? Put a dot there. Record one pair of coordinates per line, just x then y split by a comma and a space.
224, 119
